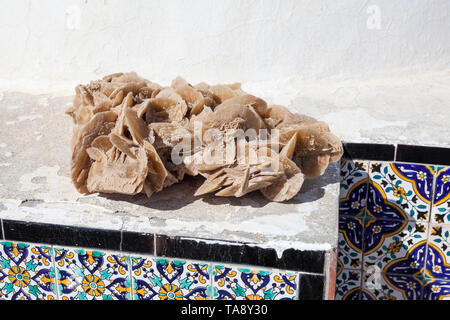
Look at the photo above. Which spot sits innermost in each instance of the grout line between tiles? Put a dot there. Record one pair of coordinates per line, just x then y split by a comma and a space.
130, 267
3, 230
56, 272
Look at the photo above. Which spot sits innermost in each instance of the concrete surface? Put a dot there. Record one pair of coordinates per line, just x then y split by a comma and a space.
35, 186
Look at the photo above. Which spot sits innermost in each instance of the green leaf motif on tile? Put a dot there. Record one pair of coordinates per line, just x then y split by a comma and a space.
437, 240
9, 287
377, 177
81, 296
178, 263
239, 291
446, 234
161, 261
244, 270
30, 265
269, 294
357, 174
34, 290
98, 254
4, 263
185, 283
22, 245
107, 297
388, 189
156, 281
385, 170
105, 274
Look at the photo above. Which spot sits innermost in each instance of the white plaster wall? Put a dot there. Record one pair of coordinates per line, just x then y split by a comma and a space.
63, 42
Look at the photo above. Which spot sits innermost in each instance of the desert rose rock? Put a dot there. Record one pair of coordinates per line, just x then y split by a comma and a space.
132, 135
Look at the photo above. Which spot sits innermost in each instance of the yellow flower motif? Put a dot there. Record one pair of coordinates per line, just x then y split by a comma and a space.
19, 276
355, 204
93, 285
170, 292
446, 178
254, 277
399, 192
395, 247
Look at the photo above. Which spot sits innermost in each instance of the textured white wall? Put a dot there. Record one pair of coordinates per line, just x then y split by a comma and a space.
72, 41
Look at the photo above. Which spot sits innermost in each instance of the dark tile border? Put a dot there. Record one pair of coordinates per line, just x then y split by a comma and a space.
138, 242
61, 235
311, 287
163, 246
397, 152
369, 151
292, 259
422, 154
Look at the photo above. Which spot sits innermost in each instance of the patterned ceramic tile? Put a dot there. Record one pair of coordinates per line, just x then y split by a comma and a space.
348, 284
161, 279
232, 283
26, 272
350, 243
437, 290
353, 188
441, 199
438, 258
92, 275
392, 246
381, 286
405, 187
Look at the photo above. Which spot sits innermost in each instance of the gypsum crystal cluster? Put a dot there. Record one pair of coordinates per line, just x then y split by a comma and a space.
126, 128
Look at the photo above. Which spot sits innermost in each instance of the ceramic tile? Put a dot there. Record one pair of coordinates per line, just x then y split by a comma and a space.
311, 287
232, 283
350, 242
161, 279
348, 284
441, 199
401, 187
92, 275
438, 258
26, 272
381, 286
353, 187
240, 253
437, 290
395, 246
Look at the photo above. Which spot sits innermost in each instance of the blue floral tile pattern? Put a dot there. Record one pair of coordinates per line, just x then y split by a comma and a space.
350, 243
393, 287
353, 188
405, 186
92, 275
232, 283
437, 290
161, 279
441, 200
348, 285
26, 272
386, 244
438, 258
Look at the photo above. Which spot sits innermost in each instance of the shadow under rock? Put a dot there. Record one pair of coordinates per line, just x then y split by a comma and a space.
181, 194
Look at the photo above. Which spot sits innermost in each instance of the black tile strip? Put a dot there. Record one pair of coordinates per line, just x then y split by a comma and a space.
369, 151
422, 154
292, 259
138, 242
311, 287
61, 235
